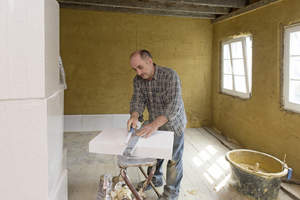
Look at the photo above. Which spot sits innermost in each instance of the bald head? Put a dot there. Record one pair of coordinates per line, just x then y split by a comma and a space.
144, 54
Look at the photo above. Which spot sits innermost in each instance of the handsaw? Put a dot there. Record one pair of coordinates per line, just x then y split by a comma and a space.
129, 135
133, 142
132, 145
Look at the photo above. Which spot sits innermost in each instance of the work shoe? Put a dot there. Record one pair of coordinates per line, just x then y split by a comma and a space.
169, 194
164, 196
157, 183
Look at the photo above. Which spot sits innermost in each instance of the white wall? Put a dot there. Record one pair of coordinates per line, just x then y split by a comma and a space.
82, 123
31, 102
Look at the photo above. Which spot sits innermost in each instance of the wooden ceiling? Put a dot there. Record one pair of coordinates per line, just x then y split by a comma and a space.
204, 9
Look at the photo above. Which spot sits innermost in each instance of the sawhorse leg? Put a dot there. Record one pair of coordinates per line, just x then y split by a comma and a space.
148, 180
128, 183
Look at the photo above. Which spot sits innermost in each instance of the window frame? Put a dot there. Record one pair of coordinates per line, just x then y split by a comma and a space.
247, 71
287, 105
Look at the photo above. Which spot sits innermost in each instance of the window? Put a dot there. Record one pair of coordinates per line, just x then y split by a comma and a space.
291, 79
237, 66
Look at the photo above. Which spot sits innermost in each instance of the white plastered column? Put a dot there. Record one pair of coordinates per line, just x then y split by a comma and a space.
31, 102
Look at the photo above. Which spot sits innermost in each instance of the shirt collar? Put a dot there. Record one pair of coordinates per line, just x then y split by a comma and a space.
155, 72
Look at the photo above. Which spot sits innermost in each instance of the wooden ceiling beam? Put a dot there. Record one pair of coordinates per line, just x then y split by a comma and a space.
218, 3
132, 10
242, 11
150, 6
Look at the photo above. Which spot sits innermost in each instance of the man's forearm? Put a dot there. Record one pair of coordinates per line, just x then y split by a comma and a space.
159, 121
134, 114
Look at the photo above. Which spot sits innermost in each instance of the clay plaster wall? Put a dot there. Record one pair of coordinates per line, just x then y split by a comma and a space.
95, 49
259, 123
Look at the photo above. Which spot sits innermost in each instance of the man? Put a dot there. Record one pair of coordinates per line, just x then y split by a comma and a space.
159, 89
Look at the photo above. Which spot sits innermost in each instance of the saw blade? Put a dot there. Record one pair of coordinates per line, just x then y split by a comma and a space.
131, 146
133, 142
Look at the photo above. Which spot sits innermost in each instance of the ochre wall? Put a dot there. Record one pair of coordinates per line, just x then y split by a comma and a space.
95, 49
259, 123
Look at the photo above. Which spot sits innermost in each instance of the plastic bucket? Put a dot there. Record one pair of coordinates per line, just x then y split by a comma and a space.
256, 181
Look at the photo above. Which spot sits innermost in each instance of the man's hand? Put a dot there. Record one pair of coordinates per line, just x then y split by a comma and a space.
134, 119
147, 130
152, 127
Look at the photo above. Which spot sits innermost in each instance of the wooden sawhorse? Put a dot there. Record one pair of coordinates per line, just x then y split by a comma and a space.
128, 161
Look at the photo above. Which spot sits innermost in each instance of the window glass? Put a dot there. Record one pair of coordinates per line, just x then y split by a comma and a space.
295, 67
238, 67
228, 82
236, 49
295, 91
226, 52
240, 84
295, 43
227, 67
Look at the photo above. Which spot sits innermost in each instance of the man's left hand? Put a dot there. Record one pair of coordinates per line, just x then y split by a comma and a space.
152, 127
147, 130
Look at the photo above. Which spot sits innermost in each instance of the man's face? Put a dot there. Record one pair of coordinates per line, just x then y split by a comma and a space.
143, 68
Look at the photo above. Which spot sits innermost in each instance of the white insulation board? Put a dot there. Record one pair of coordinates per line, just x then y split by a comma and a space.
112, 141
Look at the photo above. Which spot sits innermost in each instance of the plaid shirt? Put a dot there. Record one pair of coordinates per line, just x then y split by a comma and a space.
162, 96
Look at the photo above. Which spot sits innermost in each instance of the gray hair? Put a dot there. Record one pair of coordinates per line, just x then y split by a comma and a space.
143, 53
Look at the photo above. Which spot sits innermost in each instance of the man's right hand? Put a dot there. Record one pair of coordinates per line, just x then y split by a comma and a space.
134, 119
